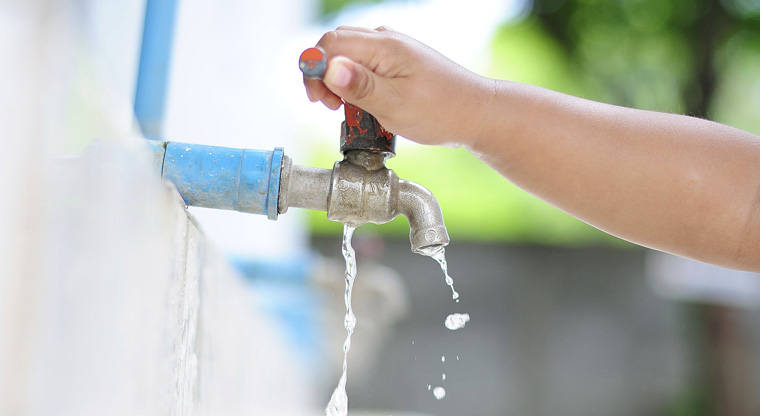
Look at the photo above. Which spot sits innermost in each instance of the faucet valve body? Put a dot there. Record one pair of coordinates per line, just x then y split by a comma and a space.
360, 189
362, 192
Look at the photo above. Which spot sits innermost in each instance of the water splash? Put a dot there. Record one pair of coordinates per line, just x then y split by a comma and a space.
338, 405
457, 320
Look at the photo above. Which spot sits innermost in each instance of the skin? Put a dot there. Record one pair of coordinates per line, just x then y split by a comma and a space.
674, 183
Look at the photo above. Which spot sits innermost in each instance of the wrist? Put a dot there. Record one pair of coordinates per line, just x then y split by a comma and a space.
484, 120
506, 114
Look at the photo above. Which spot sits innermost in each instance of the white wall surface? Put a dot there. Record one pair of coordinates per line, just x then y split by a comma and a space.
112, 300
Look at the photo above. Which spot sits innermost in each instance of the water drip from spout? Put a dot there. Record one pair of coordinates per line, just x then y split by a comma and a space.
438, 253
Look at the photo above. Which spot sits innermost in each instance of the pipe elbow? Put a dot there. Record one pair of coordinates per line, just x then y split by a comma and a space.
427, 231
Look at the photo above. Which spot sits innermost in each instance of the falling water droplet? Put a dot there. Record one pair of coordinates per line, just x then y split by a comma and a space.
457, 320
439, 393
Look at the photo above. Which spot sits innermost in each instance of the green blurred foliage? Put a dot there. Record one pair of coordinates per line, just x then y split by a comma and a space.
664, 55
328, 8
698, 57
737, 98
630, 52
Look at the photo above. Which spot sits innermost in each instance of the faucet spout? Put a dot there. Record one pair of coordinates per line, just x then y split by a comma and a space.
427, 231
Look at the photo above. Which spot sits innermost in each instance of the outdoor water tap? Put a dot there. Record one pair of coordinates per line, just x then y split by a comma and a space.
357, 190
361, 189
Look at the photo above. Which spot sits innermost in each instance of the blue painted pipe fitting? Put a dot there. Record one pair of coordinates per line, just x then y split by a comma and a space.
243, 180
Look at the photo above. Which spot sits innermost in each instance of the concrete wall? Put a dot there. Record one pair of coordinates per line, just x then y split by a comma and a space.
114, 303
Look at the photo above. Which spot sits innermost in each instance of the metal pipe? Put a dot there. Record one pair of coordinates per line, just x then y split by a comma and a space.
304, 187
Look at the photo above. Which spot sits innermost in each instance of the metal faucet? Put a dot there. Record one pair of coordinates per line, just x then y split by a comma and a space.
361, 189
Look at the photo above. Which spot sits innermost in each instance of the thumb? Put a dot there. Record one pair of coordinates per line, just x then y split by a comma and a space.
354, 83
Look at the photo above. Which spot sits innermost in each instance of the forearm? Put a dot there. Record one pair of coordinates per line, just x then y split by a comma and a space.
670, 182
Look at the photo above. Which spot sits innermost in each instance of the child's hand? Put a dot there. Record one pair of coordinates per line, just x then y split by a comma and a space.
411, 89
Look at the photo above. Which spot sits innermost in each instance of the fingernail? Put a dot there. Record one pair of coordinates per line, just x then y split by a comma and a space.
339, 75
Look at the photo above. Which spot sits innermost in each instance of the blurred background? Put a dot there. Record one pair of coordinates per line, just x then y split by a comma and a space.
114, 299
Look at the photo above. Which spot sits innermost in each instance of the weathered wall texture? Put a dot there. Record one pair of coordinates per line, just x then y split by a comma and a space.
114, 303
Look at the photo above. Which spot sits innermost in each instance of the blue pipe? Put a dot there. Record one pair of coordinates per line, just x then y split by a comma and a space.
223, 178
205, 176
153, 71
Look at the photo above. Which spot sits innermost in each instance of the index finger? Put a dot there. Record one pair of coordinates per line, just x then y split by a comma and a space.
361, 45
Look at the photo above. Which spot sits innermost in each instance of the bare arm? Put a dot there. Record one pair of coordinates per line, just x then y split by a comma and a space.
675, 183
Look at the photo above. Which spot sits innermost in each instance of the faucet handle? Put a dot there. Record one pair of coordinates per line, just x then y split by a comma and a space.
362, 131
313, 63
